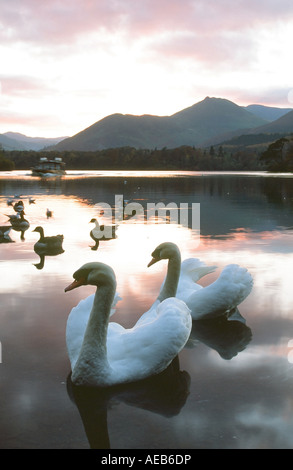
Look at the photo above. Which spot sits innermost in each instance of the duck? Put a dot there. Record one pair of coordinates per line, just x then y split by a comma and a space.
49, 213
219, 298
104, 353
47, 245
101, 232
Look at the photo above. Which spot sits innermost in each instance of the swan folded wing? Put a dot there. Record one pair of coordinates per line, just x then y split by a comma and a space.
192, 270
149, 347
229, 290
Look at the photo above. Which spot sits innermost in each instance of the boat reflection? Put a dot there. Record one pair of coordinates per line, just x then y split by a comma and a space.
227, 336
164, 394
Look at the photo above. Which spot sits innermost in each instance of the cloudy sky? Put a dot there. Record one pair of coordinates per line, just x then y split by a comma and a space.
67, 64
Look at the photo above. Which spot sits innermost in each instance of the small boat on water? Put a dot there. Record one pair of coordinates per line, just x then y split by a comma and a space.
49, 167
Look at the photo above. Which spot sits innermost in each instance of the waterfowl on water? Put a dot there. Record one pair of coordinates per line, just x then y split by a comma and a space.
103, 353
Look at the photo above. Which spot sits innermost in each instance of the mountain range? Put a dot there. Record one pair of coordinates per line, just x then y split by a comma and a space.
17, 141
209, 122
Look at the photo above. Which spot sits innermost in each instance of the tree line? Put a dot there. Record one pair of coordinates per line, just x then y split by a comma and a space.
129, 158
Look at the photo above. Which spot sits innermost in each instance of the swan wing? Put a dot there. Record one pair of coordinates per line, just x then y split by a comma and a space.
192, 269
229, 290
150, 346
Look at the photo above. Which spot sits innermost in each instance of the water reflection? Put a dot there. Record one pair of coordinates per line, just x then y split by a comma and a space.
227, 336
43, 254
164, 394
243, 402
5, 234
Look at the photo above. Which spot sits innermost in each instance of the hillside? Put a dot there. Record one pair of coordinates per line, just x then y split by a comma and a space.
192, 126
17, 141
283, 125
268, 113
260, 136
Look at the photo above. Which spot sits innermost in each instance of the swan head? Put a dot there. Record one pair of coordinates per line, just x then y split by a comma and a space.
95, 274
165, 250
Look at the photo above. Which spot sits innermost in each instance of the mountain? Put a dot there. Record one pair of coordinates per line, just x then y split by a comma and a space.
191, 126
283, 125
267, 112
17, 141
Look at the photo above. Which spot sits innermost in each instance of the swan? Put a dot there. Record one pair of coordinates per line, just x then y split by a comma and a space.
219, 298
47, 244
103, 353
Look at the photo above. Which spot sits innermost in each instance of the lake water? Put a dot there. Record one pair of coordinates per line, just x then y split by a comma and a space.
215, 396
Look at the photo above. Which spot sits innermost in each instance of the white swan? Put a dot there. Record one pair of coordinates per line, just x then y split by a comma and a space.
221, 297
105, 354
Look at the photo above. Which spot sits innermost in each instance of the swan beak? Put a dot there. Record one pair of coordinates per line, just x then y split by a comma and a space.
153, 261
74, 285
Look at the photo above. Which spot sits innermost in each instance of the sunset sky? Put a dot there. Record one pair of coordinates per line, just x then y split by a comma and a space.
67, 64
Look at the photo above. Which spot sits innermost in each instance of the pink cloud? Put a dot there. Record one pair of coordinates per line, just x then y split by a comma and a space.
54, 22
20, 85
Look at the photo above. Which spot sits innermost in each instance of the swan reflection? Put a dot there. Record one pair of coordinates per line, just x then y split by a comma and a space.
164, 394
227, 336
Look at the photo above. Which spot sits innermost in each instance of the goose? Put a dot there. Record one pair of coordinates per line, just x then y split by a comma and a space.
101, 232
46, 245
19, 223
219, 298
18, 206
104, 353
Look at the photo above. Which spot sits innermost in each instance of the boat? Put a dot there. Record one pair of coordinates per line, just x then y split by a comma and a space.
49, 167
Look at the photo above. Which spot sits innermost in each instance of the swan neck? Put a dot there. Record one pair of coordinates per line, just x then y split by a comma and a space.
92, 361
172, 278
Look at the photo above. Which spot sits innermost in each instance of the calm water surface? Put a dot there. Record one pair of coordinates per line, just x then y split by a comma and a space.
215, 395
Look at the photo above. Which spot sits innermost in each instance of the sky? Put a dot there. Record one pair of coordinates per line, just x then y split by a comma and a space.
67, 64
